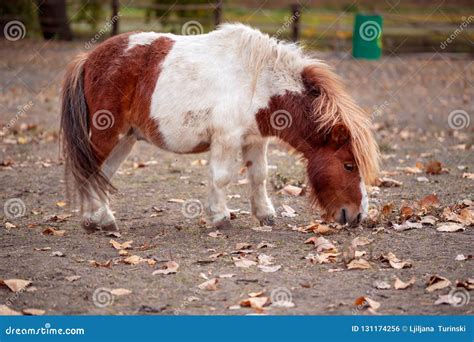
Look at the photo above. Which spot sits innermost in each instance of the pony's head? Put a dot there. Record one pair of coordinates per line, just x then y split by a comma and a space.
345, 156
336, 182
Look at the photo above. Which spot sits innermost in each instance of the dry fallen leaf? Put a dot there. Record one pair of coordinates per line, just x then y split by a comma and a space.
429, 220
395, 262
269, 269
430, 201
387, 209
209, 285
73, 278
366, 302
242, 245
292, 190
216, 255
169, 268
322, 258
433, 168
400, 285
42, 249
254, 302
6, 311
264, 259
133, 260
54, 232
462, 257
61, 204
215, 234
385, 182
407, 225
16, 285
120, 292
228, 275
416, 169
466, 216
119, 246
256, 294
468, 175
406, 212
382, 285
437, 282
106, 263
321, 244
243, 262
450, 227
33, 312
361, 241
467, 284
9, 226
288, 211
265, 244
358, 264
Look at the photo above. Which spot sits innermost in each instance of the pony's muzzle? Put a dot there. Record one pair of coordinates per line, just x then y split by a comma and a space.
345, 216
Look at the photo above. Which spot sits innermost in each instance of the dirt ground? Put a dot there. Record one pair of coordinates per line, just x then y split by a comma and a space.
410, 97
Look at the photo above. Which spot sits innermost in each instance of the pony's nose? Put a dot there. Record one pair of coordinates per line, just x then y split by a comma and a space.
342, 217
345, 217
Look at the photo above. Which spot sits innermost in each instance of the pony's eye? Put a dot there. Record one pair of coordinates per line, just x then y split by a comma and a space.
349, 166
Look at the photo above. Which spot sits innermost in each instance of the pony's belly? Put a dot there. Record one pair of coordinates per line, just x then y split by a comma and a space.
186, 141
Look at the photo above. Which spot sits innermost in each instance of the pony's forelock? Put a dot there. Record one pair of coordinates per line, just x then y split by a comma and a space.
333, 106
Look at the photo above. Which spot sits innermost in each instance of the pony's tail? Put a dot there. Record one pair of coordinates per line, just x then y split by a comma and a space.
81, 160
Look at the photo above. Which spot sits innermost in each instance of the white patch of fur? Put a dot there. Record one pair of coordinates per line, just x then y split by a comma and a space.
142, 38
364, 203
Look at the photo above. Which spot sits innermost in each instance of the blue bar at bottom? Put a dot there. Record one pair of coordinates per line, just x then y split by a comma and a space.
237, 328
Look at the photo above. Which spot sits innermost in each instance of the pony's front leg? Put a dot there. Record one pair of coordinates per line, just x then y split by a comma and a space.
255, 159
223, 161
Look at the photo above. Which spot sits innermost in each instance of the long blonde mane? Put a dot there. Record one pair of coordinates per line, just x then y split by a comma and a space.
335, 106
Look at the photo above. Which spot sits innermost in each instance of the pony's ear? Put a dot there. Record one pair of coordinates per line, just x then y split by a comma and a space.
340, 134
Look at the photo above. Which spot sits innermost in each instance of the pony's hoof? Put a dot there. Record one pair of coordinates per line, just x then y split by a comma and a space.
111, 227
268, 221
223, 224
90, 227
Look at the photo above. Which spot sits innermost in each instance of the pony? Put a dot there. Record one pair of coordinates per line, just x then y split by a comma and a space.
226, 92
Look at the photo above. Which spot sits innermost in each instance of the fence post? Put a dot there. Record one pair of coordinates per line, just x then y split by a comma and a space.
115, 17
218, 13
295, 17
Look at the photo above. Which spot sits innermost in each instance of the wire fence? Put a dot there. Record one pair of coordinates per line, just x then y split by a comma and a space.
314, 27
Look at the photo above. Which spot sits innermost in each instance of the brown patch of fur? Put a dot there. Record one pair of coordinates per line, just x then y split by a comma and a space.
147, 59
203, 146
114, 80
122, 82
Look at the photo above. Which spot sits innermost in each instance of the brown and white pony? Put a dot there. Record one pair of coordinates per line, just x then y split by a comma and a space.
225, 92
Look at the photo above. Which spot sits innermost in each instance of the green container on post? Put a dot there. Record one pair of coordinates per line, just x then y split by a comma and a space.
367, 36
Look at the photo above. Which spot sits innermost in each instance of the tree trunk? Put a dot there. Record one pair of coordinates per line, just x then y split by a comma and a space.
53, 19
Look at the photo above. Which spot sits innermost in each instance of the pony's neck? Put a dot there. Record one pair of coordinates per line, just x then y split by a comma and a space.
284, 118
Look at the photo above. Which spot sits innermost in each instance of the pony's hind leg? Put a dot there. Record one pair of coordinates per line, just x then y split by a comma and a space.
255, 159
96, 207
222, 164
